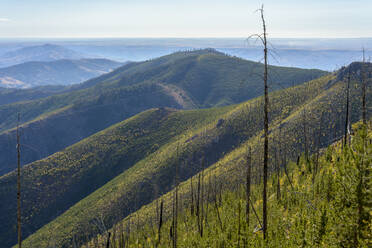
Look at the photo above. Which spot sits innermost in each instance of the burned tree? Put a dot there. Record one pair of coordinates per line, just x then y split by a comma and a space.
19, 185
263, 38
248, 185
347, 108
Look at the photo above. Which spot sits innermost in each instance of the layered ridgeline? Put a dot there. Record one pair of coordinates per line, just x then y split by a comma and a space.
59, 72
183, 80
219, 135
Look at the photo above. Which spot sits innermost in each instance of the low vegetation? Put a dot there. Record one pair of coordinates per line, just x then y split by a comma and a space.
323, 202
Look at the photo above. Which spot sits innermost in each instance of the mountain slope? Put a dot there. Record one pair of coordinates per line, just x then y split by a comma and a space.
313, 209
222, 142
59, 72
184, 80
52, 185
56, 130
189, 71
47, 52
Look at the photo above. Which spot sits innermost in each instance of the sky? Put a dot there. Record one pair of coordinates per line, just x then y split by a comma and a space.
179, 18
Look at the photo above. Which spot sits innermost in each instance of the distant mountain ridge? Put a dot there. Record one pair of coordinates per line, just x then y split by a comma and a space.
59, 72
46, 52
183, 80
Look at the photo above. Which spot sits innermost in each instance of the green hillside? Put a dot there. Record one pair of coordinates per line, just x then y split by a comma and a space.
52, 185
54, 131
324, 202
184, 80
222, 143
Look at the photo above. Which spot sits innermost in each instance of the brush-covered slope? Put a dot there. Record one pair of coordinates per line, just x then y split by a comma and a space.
222, 143
50, 186
59, 72
323, 202
183, 80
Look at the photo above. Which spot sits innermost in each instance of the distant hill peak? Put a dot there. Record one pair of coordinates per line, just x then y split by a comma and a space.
46, 52
202, 51
57, 72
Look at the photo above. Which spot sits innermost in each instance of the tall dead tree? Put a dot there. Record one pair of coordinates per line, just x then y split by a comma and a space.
202, 199
192, 197
347, 108
364, 85
277, 174
248, 185
19, 185
266, 124
160, 223
306, 148
175, 206
263, 38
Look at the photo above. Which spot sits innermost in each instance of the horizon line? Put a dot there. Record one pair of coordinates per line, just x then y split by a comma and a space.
173, 37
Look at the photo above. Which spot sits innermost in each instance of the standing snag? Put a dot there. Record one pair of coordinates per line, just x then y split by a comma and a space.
347, 108
266, 123
248, 185
19, 185
364, 85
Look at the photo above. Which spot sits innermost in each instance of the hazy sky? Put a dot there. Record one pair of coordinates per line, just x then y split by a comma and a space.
179, 18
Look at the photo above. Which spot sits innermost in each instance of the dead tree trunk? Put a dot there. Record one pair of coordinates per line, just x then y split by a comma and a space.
192, 197
318, 146
347, 109
160, 221
108, 240
266, 128
202, 200
277, 162
239, 210
305, 135
248, 185
364, 85
19, 185
198, 203
175, 207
